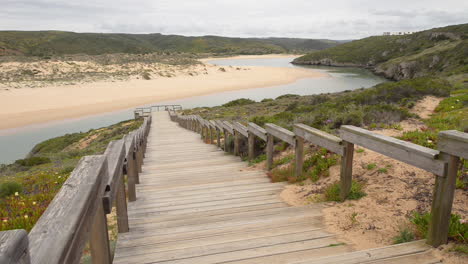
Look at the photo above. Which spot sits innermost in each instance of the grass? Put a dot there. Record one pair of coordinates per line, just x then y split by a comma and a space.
258, 159
371, 166
318, 164
461, 249
458, 231
27, 187
332, 192
282, 161
404, 235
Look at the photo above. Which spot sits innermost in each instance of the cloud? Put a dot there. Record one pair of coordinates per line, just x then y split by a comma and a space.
336, 19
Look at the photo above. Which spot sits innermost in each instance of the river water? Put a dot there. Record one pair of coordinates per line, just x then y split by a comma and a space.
16, 143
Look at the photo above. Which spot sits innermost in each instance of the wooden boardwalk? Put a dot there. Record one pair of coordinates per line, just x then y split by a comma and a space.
197, 204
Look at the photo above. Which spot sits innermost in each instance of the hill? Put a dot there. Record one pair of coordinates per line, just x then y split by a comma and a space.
46, 43
440, 51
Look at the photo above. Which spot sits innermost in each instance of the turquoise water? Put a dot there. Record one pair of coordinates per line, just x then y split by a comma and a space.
16, 143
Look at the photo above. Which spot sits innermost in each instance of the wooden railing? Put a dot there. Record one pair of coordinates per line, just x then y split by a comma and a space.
444, 162
77, 214
146, 111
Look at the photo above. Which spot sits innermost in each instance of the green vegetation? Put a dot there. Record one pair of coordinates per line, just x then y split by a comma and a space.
462, 249
258, 159
439, 51
29, 185
10, 188
239, 102
47, 43
332, 192
405, 235
318, 163
458, 231
371, 166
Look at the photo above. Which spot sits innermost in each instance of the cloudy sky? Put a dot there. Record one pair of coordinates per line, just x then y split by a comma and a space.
334, 19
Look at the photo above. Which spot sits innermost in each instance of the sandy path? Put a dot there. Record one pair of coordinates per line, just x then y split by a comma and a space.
26, 106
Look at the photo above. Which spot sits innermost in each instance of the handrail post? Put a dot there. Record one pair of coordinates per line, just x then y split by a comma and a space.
453, 145
14, 247
99, 238
251, 145
236, 143
226, 144
299, 151
346, 173
269, 151
121, 205
218, 137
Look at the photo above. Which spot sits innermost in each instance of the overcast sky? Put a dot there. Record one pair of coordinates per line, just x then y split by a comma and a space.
333, 19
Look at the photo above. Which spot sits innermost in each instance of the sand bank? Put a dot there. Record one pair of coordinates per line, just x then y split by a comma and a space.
26, 106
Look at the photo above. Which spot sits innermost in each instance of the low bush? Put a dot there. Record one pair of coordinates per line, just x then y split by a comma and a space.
317, 164
458, 231
237, 102
10, 188
32, 161
405, 235
332, 192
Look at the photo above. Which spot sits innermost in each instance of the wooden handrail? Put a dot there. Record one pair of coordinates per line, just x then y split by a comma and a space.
77, 214
452, 146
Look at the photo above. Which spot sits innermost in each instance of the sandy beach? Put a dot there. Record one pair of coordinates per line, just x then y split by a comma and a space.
27, 106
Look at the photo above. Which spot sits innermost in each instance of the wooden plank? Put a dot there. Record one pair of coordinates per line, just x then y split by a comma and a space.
219, 125
257, 131
115, 153
228, 126
319, 138
419, 156
130, 167
453, 142
99, 238
251, 145
240, 128
14, 247
369, 255
59, 236
281, 133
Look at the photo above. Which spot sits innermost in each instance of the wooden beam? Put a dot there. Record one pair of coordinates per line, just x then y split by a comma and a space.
270, 151
419, 156
257, 131
299, 152
130, 166
115, 153
320, 138
281, 133
251, 145
241, 129
228, 126
14, 247
346, 173
60, 235
454, 143
444, 191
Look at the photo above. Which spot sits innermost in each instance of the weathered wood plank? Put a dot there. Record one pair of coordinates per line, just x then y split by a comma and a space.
319, 138
240, 128
115, 153
281, 133
454, 143
419, 156
257, 131
14, 247
228, 126
60, 234
270, 151
346, 172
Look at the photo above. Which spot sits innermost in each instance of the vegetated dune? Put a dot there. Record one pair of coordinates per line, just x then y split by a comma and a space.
439, 51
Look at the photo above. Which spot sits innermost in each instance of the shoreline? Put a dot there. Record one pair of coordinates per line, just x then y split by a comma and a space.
33, 106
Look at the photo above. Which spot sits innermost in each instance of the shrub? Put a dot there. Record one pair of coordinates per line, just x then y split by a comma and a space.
458, 231
33, 161
282, 161
9, 188
238, 102
146, 76
283, 174
258, 159
267, 100
319, 163
405, 235
284, 96
332, 192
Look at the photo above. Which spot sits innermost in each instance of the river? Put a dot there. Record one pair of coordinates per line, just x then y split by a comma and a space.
16, 143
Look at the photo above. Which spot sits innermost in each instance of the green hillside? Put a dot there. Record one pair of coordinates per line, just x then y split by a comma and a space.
42, 43
439, 51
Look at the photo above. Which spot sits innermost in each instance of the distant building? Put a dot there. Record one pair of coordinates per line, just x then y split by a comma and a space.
401, 33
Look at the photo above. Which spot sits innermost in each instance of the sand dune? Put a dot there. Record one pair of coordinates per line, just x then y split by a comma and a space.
25, 106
